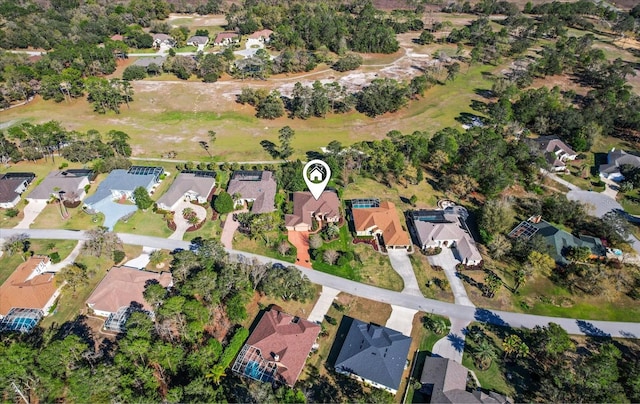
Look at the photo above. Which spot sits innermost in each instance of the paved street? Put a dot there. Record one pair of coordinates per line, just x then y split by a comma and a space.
402, 265
599, 203
573, 326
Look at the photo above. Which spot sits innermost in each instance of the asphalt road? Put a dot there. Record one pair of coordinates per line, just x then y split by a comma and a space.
573, 326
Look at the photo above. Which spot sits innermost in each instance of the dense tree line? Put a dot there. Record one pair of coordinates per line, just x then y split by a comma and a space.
357, 26
182, 354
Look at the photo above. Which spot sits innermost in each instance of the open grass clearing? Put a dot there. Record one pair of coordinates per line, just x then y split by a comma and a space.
429, 280
258, 246
145, 223
50, 218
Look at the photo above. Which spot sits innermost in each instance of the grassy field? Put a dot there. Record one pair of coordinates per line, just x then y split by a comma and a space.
258, 246
50, 218
429, 280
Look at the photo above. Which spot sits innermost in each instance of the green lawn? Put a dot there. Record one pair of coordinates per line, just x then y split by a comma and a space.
144, 223
259, 246
39, 247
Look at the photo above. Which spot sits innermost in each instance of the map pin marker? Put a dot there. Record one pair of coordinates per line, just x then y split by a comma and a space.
316, 174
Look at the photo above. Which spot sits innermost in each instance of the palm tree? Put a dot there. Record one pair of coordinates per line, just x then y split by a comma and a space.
485, 352
511, 344
520, 278
438, 326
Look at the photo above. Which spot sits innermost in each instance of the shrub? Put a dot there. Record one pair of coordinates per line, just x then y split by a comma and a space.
11, 212
342, 261
349, 62
63, 165
55, 257
118, 256
87, 187
433, 250
223, 203
348, 255
134, 73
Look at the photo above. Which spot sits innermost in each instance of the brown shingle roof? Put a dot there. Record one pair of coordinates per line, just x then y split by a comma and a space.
304, 205
384, 218
184, 183
8, 188
29, 294
263, 33
123, 285
257, 185
224, 35
289, 337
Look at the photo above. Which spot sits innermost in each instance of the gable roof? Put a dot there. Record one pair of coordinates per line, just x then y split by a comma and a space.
21, 290
257, 185
618, 158
187, 182
375, 353
384, 218
304, 205
68, 181
120, 180
263, 33
290, 338
552, 144
162, 37
8, 187
198, 39
224, 35
123, 285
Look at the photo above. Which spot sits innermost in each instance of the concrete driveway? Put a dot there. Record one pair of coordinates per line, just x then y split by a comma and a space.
300, 239
322, 306
452, 345
402, 265
447, 261
229, 228
181, 223
142, 260
401, 319
69, 259
31, 211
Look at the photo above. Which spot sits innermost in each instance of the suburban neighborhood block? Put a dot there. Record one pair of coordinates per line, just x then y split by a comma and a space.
277, 348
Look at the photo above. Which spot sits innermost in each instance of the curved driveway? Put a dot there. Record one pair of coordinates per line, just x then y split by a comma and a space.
573, 326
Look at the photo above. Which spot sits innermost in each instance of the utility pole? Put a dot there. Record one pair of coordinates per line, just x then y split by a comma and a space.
17, 389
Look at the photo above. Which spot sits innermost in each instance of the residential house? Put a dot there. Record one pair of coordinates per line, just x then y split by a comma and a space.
445, 381
119, 186
29, 287
444, 228
163, 40
188, 186
264, 35
373, 354
615, 160
257, 187
277, 348
226, 38
12, 185
556, 152
117, 37
68, 185
381, 221
558, 241
198, 41
120, 291
306, 209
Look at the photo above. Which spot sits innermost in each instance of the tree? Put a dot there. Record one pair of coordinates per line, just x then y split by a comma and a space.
155, 293
330, 256
350, 61
496, 217
499, 246
18, 243
101, 241
578, 254
425, 38
541, 262
510, 344
223, 203
157, 257
520, 278
484, 352
271, 107
74, 275
284, 247
413, 200
285, 135
315, 241
452, 71
492, 284
142, 198
134, 72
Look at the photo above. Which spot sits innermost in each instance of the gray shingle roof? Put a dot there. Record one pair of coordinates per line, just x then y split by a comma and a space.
618, 158
120, 180
69, 182
8, 188
184, 183
198, 39
374, 353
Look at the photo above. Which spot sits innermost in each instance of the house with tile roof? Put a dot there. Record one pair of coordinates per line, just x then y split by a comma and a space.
226, 38
373, 354
188, 186
306, 210
68, 184
382, 222
445, 381
556, 152
30, 286
256, 187
444, 228
123, 287
10, 191
277, 349
615, 160
198, 40
264, 35
558, 241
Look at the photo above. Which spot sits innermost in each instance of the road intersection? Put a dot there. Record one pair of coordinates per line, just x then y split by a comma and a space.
464, 313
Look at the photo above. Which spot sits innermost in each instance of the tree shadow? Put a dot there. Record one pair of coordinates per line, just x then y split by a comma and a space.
484, 93
457, 342
341, 335
591, 330
270, 148
78, 327
487, 316
314, 155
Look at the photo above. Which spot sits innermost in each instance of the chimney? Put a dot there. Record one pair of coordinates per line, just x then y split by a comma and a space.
276, 357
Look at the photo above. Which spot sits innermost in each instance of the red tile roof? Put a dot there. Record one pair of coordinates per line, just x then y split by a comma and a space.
288, 337
263, 33
224, 35
384, 218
